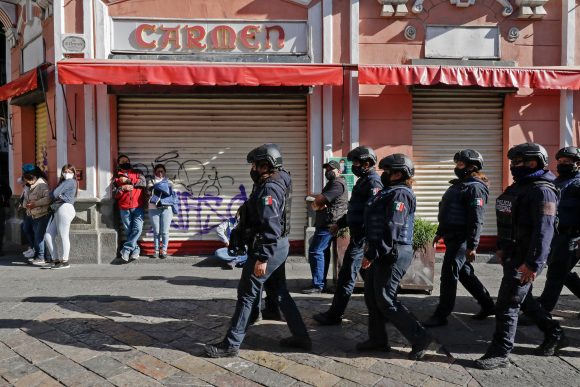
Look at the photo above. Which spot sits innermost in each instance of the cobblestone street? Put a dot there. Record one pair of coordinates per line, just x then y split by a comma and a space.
144, 324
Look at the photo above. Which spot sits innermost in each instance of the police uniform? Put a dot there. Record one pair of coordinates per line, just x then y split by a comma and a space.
526, 214
461, 213
268, 214
365, 188
389, 222
564, 255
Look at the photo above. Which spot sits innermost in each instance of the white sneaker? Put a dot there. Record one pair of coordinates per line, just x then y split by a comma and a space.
29, 253
38, 262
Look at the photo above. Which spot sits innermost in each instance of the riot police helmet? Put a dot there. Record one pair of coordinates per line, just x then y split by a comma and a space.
362, 154
471, 157
529, 151
398, 162
267, 152
569, 151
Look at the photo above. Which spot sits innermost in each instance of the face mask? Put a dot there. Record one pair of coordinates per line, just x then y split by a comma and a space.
255, 175
461, 173
125, 166
158, 179
566, 169
68, 175
330, 175
357, 170
386, 178
520, 172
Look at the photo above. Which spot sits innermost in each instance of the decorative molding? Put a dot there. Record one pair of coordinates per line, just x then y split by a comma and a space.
513, 34
418, 6
45, 6
395, 8
304, 3
462, 3
508, 9
531, 8
410, 32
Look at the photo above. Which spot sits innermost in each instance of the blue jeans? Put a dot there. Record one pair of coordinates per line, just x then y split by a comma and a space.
28, 230
223, 254
133, 224
319, 256
456, 268
250, 287
348, 272
39, 228
161, 220
382, 281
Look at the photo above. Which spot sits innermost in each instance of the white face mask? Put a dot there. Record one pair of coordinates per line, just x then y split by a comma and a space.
158, 179
68, 175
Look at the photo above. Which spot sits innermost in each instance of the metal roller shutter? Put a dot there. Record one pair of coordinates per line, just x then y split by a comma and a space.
444, 122
203, 142
41, 123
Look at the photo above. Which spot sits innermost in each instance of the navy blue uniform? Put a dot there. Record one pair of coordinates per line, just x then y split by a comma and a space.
526, 214
389, 222
365, 188
461, 213
267, 214
564, 255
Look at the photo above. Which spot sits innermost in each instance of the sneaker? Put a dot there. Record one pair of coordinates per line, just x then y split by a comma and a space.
163, 254
484, 313
490, 362
297, 342
551, 345
38, 262
312, 290
419, 349
134, 256
372, 345
327, 319
125, 255
50, 265
29, 253
155, 255
60, 265
435, 321
221, 350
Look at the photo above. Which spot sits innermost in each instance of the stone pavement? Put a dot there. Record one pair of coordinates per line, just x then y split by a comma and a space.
144, 324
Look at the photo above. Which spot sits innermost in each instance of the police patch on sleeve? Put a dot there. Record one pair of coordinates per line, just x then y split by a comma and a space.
549, 208
267, 200
398, 206
477, 202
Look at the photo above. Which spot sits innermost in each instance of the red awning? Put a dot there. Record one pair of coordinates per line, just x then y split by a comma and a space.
133, 72
520, 77
25, 83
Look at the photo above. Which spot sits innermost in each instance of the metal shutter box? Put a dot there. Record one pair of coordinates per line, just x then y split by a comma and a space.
203, 142
444, 122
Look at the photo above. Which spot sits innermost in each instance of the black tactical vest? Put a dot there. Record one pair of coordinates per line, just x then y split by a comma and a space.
286, 207
452, 208
335, 210
507, 206
376, 216
361, 193
569, 206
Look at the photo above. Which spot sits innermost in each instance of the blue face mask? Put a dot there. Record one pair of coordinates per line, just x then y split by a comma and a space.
521, 172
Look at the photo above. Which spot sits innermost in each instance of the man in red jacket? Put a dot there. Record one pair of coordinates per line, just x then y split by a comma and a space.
129, 191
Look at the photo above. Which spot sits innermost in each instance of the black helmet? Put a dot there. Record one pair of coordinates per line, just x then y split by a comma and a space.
362, 154
469, 156
530, 151
267, 152
398, 162
569, 151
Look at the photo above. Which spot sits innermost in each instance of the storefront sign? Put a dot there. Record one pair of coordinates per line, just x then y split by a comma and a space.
201, 36
73, 43
462, 42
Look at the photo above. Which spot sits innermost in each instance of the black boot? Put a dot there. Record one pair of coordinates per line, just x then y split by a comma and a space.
419, 349
327, 318
373, 345
484, 313
435, 321
297, 342
551, 345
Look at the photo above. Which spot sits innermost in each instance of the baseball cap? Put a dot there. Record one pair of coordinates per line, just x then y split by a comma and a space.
332, 164
28, 168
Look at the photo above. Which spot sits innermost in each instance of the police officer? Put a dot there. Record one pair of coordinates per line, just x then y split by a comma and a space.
564, 255
363, 160
269, 216
330, 206
461, 212
389, 222
526, 214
